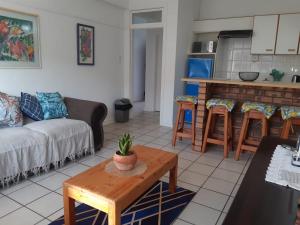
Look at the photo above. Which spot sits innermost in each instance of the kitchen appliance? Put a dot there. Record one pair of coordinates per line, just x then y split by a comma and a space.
204, 47
296, 79
235, 34
248, 76
197, 68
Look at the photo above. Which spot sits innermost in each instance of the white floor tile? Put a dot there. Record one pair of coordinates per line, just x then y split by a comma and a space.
44, 222
235, 190
218, 185
183, 163
56, 215
43, 176
235, 167
201, 168
151, 145
106, 153
180, 222
221, 219
145, 138
93, 161
7, 205
47, 205
29, 194
188, 186
74, 170
192, 178
199, 215
211, 161
22, 216
228, 204
54, 182
189, 155
226, 175
241, 179
15, 187
211, 199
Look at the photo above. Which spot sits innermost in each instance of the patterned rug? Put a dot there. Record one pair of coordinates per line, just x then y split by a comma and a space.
156, 207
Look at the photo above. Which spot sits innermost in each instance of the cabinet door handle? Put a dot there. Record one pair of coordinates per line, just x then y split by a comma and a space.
269, 50
291, 50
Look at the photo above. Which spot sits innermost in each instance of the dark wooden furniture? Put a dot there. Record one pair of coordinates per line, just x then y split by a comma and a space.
213, 112
245, 144
287, 125
179, 130
259, 202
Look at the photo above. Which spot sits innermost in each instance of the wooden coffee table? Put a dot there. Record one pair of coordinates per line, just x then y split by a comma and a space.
112, 194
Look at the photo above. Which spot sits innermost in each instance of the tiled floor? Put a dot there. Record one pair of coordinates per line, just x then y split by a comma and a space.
38, 200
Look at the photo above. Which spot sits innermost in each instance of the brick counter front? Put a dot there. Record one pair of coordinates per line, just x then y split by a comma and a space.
272, 93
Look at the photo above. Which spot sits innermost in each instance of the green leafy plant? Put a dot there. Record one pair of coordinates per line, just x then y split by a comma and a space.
125, 143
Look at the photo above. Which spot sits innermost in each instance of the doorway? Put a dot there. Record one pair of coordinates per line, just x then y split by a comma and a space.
146, 69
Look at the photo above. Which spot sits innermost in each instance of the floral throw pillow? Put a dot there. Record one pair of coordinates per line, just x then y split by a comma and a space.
10, 112
52, 104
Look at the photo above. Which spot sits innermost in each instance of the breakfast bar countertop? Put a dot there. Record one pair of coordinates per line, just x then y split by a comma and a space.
245, 83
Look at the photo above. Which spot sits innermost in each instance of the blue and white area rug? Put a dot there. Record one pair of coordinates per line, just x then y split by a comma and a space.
156, 207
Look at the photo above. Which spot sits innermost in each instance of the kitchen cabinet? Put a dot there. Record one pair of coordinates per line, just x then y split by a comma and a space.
264, 34
288, 34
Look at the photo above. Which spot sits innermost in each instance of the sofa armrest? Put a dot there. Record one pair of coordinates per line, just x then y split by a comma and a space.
93, 113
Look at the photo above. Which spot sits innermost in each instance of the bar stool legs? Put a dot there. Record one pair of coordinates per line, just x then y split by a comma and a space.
287, 125
179, 131
250, 145
210, 125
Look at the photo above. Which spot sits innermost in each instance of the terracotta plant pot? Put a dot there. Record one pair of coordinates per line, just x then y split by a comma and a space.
125, 163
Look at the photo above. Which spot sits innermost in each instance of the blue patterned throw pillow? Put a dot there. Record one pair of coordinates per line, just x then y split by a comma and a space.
31, 107
52, 104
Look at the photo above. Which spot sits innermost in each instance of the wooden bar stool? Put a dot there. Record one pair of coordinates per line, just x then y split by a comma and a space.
253, 111
291, 116
185, 103
223, 108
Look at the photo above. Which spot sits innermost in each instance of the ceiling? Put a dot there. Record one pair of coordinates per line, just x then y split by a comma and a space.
119, 3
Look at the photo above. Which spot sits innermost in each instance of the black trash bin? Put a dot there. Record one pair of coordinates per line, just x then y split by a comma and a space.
122, 107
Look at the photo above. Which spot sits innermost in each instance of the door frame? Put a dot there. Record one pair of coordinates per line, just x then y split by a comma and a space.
144, 26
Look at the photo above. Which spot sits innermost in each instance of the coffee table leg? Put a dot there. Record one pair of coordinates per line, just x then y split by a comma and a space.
114, 216
173, 179
69, 209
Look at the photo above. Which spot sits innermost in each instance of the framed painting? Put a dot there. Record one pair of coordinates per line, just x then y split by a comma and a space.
85, 45
19, 40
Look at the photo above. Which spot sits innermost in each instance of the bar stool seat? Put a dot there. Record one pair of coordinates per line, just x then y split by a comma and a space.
253, 111
219, 107
185, 102
291, 116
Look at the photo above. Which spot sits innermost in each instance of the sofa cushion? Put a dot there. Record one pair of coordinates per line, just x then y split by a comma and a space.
66, 137
10, 112
52, 104
21, 150
31, 107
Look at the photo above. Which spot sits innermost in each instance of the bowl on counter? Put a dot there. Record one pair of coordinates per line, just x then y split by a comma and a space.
248, 76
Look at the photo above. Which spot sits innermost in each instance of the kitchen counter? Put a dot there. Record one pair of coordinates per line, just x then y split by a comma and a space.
245, 83
275, 93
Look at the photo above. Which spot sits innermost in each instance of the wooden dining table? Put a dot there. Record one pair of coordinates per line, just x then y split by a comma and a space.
259, 202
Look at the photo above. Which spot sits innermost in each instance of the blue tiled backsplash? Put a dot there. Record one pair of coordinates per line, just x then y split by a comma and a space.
234, 56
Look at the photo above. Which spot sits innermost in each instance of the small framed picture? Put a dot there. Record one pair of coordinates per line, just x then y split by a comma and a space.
85, 45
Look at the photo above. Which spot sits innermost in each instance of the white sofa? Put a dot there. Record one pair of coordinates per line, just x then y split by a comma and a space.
38, 145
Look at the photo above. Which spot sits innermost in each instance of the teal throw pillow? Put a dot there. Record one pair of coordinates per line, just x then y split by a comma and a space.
52, 104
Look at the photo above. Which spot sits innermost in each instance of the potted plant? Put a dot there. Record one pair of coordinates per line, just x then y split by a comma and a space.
125, 158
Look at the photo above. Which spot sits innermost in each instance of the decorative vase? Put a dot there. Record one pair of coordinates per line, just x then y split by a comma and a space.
125, 163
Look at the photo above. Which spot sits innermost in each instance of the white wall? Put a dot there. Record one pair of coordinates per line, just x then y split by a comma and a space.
139, 62
102, 82
211, 9
184, 40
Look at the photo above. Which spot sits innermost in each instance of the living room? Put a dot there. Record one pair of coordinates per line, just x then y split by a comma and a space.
66, 65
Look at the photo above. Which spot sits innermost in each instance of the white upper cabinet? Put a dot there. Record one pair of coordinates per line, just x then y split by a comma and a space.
264, 34
288, 34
